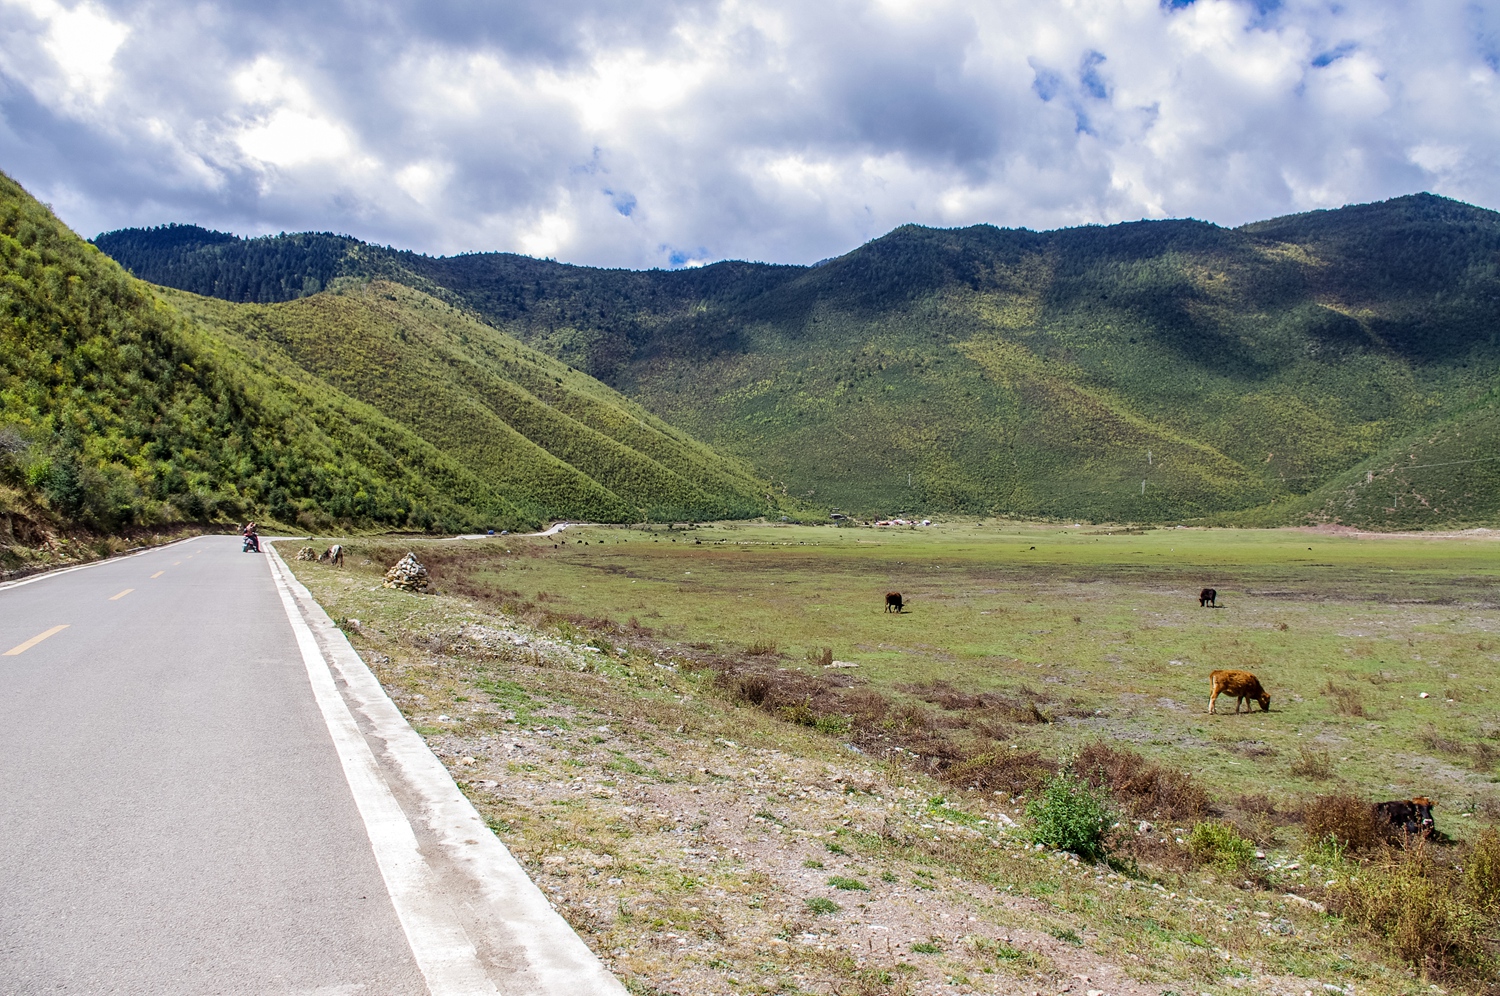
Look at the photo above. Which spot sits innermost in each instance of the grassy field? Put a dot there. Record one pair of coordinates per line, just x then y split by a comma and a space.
649, 720
1103, 627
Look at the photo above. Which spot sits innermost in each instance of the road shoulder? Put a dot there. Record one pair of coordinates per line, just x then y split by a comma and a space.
467, 877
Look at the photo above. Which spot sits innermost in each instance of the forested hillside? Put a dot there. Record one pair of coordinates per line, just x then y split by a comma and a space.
123, 407
1339, 364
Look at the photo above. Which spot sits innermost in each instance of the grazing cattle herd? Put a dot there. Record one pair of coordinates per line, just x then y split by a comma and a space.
1401, 819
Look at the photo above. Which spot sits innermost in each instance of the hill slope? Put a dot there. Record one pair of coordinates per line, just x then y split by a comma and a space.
124, 407
555, 442
1145, 371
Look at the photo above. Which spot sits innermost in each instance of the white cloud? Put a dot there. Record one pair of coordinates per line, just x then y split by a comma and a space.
658, 132
81, 41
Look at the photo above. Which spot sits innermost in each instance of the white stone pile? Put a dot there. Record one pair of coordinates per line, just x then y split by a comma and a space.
407, 575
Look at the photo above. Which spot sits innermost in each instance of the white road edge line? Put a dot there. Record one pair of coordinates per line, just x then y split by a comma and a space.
510, 912
441, 947
44, 575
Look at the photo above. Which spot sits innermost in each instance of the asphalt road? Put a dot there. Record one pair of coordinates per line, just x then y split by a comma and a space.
173, 815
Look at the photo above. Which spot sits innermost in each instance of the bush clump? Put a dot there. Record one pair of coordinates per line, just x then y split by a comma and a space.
1012, 771
1482, 871
1314, 764
1410, 899
1145, 787
1343, 820
1217, 843
1072, 815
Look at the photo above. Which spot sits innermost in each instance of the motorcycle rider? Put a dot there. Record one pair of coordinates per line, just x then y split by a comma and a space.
252, 539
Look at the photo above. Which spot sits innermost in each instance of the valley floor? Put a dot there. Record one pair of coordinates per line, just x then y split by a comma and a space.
576, 687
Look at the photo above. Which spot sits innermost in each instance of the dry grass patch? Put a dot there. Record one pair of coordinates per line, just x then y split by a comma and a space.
1343, 819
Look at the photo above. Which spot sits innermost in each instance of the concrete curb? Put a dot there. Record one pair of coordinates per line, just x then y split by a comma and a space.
525, 944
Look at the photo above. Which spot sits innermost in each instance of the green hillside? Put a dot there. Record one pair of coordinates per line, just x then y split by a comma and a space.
1148, 371
554, 441
124, 407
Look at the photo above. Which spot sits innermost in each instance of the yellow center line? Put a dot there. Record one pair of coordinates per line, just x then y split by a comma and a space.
116, 598
22, 648
158, 574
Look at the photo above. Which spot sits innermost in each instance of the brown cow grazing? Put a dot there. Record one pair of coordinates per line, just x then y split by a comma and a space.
1208, 596
1406, 818
1242, 685
893, 601
333, 556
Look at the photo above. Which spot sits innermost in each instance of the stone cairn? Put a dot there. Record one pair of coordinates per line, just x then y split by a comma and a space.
307, 553
408, 575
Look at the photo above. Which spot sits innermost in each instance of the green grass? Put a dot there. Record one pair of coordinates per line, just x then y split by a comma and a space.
1102, 627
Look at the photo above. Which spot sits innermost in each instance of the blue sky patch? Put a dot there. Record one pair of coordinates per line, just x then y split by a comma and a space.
1333, 55
624, 202
1093, 83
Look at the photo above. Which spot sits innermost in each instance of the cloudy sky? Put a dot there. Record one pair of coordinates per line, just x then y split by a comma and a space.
667, 132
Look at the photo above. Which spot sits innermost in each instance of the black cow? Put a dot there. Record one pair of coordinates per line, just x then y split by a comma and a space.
893, 601
1406, 817
1208, 597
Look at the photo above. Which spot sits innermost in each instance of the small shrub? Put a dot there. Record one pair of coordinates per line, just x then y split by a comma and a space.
1067, 935
1482, 871
1009, 771
762, 648
818, 906
848, 884
750, 689
834, 726
1146, 788
867, 705
1435, 741
1314, 764
1218, 843
800, 713
822, 657
1344, 819
926, 947
1346, 701
812, 863
1071, 815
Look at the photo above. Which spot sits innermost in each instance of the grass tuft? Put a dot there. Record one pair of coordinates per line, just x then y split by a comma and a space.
820, 906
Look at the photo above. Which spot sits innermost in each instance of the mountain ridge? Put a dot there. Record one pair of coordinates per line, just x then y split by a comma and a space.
128, 407
1149, 370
